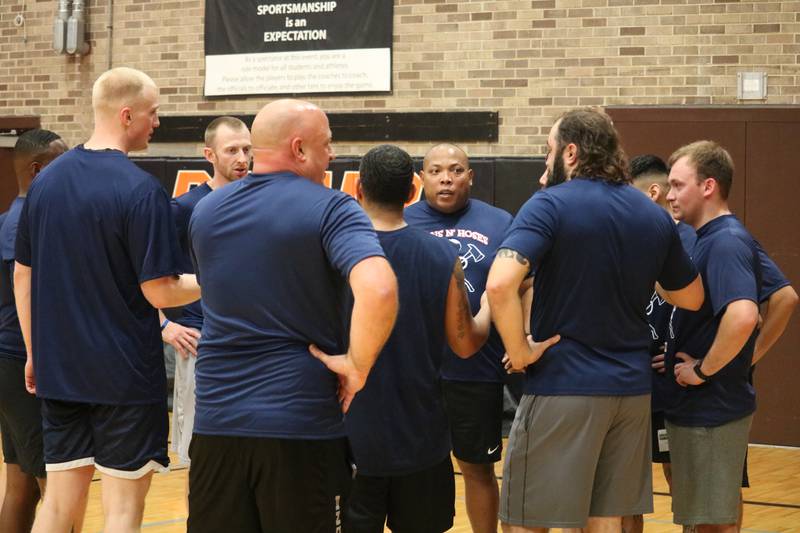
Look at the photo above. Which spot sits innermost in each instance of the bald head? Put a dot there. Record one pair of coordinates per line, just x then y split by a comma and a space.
446, 178
446, 150
119, 87
292, 135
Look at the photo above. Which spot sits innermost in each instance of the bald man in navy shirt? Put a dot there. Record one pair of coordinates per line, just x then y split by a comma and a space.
275, 253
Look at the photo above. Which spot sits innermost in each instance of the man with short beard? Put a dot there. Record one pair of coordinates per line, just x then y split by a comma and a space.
228, 149
579, 449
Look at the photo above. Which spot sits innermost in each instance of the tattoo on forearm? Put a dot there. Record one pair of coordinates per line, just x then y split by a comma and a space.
463, 303
463, 311
459, 274
521, 259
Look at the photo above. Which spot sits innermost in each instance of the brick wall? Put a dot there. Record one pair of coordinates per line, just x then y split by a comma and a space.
529, 60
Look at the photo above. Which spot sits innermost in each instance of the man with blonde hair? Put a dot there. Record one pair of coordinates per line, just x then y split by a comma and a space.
269, 451
95, 255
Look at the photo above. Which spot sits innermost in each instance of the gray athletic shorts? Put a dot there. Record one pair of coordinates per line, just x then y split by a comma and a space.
572, 457
707, 467
183, 407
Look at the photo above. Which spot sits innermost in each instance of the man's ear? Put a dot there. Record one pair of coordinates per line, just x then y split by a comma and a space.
34, 168
125, 116
412, 192
296, 146
709, 186
654, 191
471, 175
359, 191
571, 153
208, 153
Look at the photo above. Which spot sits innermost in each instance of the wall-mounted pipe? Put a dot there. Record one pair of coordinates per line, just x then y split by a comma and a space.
60, 27
110, 28
76, 30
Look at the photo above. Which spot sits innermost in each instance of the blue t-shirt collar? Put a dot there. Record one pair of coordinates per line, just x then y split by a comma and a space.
714, 224
455, 214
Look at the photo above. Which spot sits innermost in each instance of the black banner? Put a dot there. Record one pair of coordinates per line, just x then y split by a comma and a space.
280, 47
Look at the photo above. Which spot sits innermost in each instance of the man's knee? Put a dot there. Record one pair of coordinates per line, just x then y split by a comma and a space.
482, 473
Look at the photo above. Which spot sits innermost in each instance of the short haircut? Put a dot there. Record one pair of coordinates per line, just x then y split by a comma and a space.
711, 161
600, 155
648, 165
211, 131
119, 87
33, 143
387, 175
444, 145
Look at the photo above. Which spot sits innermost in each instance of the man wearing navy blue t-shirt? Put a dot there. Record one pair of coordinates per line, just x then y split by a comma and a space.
473, 388
397, 424
228, 149
96, 254
275, 253
20, 412
579, 449
650, 175
711, 353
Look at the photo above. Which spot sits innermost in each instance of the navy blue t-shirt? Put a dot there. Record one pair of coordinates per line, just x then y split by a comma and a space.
11, 342
598, 249
772, 278
95, 226
476, 232
397, 423
191, 315
272, 253
659, 313
727, 257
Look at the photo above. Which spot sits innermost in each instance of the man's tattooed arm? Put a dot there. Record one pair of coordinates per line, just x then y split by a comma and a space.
521, 259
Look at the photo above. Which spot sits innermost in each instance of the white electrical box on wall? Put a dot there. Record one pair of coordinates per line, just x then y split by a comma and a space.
751, 86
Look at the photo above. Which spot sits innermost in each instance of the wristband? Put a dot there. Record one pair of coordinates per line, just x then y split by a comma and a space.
164, 324
699, 372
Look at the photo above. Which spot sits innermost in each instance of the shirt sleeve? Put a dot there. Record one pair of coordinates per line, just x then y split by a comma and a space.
347, 235
731, 273
152, 243
772, 279
678, 270
533, 230
22, 246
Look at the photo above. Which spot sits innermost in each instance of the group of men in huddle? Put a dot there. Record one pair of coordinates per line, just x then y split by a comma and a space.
315, 304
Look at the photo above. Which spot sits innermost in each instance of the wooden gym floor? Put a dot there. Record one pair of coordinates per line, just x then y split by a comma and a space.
772, 504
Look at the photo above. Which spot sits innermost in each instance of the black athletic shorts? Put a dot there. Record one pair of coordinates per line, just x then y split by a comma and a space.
124, 441
422, 502
20, 420
475, 413
660, 441
266, 485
